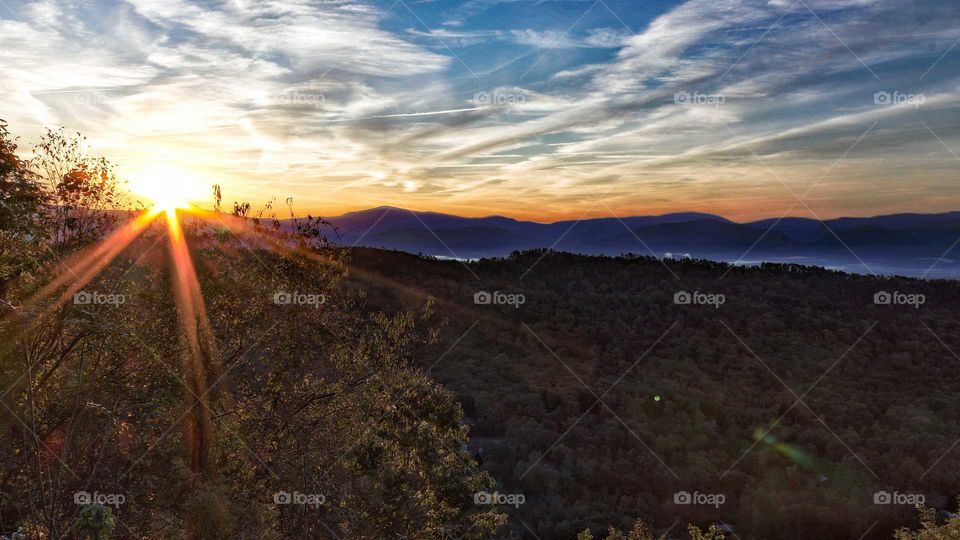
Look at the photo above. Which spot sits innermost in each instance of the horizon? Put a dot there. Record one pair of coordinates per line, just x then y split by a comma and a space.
771, 217
300, 215
544, 111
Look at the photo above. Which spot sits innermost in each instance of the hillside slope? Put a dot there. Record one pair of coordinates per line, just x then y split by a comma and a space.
695, 398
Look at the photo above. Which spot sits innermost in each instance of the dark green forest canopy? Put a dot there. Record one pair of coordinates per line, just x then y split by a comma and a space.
695, 398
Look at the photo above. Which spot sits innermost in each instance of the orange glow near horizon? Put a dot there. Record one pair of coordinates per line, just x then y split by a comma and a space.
597, 208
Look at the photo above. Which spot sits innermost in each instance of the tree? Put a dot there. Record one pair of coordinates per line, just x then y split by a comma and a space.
639, 531
929, 529
712, 533
85, 195
22, 213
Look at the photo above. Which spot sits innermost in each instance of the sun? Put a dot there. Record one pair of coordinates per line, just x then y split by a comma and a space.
167, 187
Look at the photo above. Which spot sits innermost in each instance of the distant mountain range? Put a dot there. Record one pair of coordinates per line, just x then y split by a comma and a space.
902, 243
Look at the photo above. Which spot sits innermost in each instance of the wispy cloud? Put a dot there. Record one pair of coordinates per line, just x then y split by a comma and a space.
348, 104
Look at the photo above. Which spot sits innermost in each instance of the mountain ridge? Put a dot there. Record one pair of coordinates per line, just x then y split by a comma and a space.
900, 243
923, 216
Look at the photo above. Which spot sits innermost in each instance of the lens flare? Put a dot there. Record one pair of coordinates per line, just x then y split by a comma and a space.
793, 453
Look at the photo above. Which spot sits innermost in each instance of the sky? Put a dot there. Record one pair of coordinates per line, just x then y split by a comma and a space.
535, 109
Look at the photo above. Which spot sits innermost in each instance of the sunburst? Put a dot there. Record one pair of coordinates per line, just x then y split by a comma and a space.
168, 187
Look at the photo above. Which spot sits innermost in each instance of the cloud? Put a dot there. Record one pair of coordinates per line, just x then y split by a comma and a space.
345, 98
604, 38
459, 38
271, 72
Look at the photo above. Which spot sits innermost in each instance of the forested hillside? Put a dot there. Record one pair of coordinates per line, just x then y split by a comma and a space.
191, 373
800, 399
131, 407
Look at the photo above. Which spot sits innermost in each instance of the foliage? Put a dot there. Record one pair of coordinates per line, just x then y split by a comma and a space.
96, 522
929, 528
321, 400
86, 199
638, 532
22, 216
713, 533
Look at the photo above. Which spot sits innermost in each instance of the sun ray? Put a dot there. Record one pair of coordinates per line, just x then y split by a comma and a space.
199, 359
78, 270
